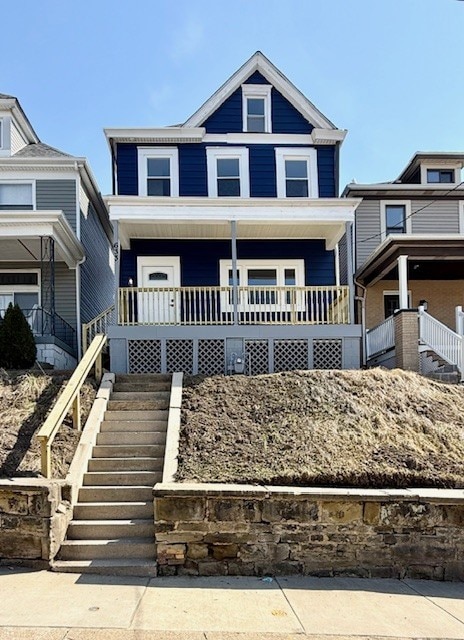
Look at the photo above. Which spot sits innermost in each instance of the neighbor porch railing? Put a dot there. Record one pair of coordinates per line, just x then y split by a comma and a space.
380, 338
442, 340
45, 323
70, 397
196, 306
97, 325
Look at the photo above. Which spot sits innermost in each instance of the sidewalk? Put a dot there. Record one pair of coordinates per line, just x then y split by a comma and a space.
39, 605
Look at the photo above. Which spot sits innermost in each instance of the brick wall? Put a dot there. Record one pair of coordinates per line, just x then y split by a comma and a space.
33, 520
230, 530
407, 340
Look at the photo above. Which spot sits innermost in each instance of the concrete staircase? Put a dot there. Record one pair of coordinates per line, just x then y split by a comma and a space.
112, 530
436, 368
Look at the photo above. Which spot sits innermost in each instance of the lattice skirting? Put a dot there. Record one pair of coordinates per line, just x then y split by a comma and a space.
208, 357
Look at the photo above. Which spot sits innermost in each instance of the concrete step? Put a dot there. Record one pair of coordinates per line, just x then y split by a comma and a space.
143, 416
113, 510
448, 378
131, 437
126, 548
112, 567
125, 464
133, 425
142, 386
134, 493
129, 451
137, 405
121, 478
110, 529
143, 396
143, 377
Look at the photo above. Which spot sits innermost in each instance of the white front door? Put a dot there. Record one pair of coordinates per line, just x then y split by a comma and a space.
160, 276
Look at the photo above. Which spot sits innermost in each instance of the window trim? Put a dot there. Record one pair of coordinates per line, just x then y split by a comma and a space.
212, 156
23, 288
453, 166
146, 153
383, 216
296, 153
257, 91
28, 182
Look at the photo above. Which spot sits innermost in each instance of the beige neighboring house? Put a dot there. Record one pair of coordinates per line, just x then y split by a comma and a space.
409, 255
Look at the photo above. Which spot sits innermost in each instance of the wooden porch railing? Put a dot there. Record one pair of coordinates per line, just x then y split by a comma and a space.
70, 398
198, 306
97, 325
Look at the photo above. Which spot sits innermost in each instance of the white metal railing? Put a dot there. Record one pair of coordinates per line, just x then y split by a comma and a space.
98, 325
215, 305
380, 338
459, 313
442, 340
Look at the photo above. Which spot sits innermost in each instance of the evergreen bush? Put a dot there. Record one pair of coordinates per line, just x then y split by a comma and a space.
17, 345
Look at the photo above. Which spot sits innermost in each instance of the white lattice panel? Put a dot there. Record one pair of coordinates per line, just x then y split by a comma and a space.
211, 357
144, 356
327, 354
179, 356
290, 355
258, 360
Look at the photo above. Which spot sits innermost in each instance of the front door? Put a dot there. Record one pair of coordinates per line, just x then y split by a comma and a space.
160, 276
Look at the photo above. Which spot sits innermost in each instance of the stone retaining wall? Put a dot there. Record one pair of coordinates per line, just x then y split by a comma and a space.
245, 530
33, 520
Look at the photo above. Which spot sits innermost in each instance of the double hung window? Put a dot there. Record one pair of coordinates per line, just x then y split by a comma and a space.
395, 216
296, 173
256, 105
228, 174
158, 171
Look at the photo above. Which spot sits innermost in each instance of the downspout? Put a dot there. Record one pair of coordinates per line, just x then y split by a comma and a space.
362, 300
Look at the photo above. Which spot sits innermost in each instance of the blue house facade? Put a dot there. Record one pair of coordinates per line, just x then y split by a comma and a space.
228, 230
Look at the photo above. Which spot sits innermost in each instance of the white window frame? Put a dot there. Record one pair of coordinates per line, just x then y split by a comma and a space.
296, 153
213, 154
279, 265
29, 182
146, 153
388, 292
262, 91
425, 166
383, 216
22, 288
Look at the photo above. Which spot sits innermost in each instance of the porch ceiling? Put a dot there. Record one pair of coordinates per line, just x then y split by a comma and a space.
20, 233
420, 249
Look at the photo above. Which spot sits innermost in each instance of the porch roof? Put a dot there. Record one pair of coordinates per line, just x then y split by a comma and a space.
419, 247
20, 233
258, 218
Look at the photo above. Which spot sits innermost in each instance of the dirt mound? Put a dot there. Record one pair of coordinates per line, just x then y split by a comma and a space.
373, 428
25, 401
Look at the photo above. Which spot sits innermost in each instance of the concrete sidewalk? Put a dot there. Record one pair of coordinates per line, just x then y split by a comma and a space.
39, 605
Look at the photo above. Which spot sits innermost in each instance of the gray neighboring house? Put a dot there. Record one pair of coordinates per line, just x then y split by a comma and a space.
56, 254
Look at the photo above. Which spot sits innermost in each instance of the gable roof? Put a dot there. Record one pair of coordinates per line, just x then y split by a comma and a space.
40, 150
259, 62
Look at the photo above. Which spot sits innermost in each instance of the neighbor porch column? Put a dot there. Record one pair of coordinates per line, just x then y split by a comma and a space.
117, 267
350, 267
403, 281
233, 234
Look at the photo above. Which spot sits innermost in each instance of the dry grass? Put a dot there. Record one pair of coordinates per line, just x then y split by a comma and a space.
25, 401
374, 428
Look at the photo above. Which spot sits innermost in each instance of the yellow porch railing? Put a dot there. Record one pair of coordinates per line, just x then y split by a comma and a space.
97, 325
70, 397
197, 306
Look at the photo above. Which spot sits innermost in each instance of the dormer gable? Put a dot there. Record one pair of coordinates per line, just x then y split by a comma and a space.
258, 98
433, 169
16, 131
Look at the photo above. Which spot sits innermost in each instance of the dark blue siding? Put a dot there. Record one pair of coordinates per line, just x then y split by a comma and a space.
192, 170
256, 78
228, 117
199, 259
285, 118
262, 171
126, 158
326, 171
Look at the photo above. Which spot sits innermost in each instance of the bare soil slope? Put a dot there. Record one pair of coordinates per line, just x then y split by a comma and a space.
373, 428
25, 401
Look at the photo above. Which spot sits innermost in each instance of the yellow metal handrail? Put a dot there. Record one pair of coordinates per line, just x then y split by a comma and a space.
99, 324
70, 397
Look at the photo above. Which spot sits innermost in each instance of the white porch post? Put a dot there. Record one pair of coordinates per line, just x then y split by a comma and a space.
403, 281
117, 266
233, 229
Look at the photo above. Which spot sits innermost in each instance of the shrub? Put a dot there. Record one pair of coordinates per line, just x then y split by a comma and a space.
17, 345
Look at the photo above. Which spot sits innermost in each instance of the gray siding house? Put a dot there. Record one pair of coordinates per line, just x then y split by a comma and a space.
56, 258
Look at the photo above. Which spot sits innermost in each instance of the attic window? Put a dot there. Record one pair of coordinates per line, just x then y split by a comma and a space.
256, 104
445, 176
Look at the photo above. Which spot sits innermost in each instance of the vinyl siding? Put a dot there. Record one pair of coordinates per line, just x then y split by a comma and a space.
256, 78
16, 139
193, 170
367, 230
439, 217
58, 194
200, 258
97, 272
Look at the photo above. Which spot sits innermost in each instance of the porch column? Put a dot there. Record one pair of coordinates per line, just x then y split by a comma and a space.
350, 267
403, 281
116, 253
233, 229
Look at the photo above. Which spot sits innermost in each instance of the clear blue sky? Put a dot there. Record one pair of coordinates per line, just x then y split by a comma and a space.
389, 71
